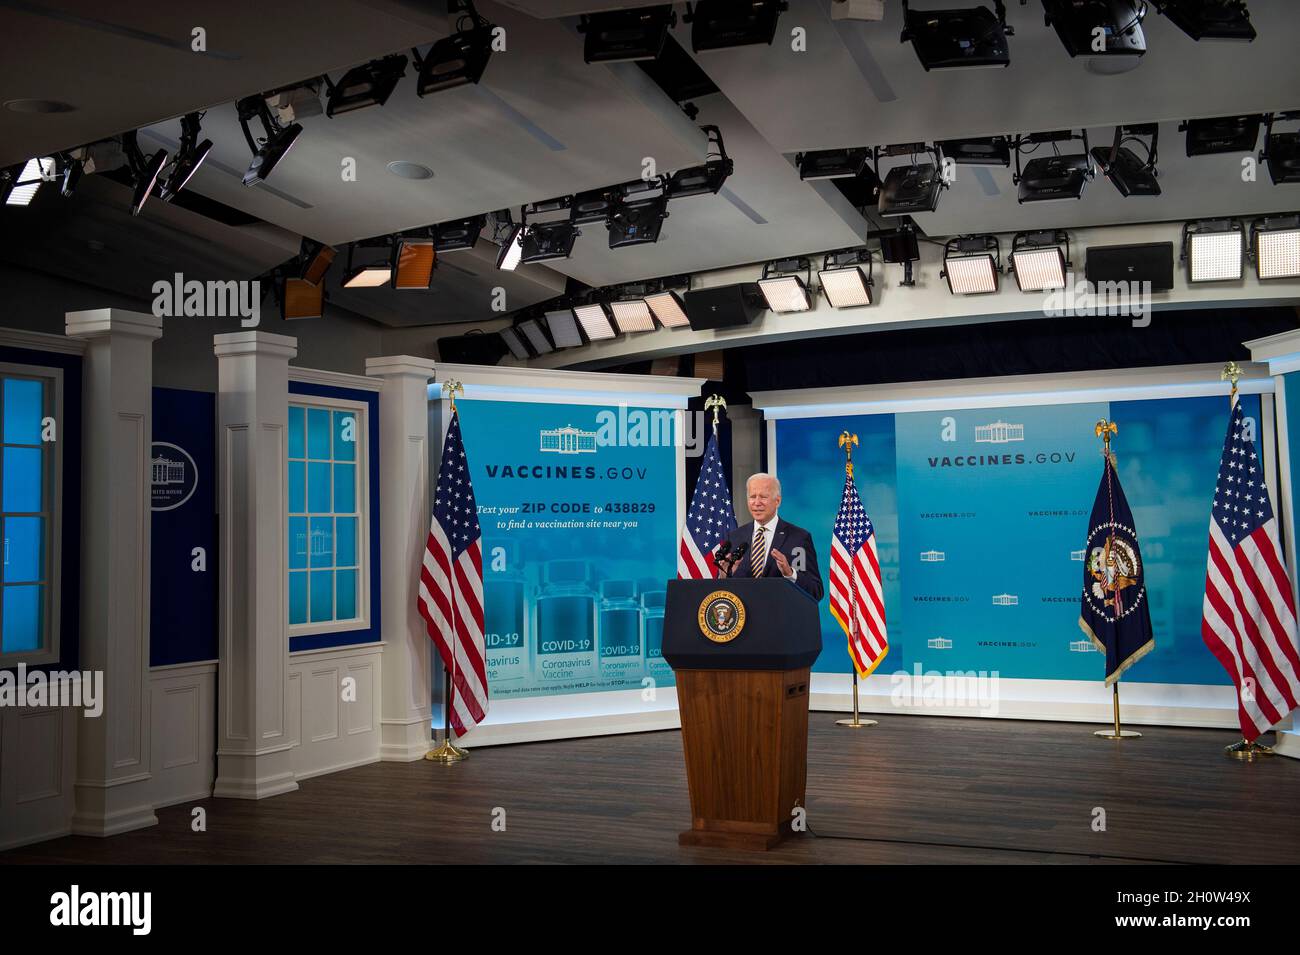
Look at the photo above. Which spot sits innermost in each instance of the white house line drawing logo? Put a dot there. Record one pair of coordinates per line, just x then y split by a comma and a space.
932, 556
1082, 646
1078, 554
167, 470
173, 476
320, 543
1005, 600
999, 432
568, 440
939, 643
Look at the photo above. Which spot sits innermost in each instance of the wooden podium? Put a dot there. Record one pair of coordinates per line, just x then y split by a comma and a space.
741, 651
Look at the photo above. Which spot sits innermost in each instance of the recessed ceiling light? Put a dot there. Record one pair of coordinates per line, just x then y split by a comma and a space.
44, 106
409, 170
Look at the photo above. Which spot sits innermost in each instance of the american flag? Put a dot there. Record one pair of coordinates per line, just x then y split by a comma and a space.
709, 520
1248, 620
453, 611
857, 597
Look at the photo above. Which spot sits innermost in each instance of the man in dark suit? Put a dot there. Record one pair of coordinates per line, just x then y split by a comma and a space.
770, 541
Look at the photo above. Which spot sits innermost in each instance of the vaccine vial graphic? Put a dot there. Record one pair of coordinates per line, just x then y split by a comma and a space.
506, 628
619, 633
565, 625
652, 623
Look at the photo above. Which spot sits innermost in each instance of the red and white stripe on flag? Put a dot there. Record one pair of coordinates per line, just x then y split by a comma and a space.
857, 597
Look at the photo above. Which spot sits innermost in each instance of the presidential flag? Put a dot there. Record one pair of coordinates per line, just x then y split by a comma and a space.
451, 585
1115, 614
857, 596
1248, 617
710, 518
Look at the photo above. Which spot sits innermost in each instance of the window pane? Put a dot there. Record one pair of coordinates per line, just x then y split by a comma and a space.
297, 436
346, 587
23, 403
23, 548
322, 595
346, 542
345, 426
318, 433
298, 546
22, 479
318, 488
20, 628
322, 542
297, 487
298, 597
345, 488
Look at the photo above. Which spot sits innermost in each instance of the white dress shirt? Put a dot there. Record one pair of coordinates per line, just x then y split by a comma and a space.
769, 531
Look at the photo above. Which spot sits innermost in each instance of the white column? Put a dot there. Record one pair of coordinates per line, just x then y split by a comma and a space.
113, 773
253, 738
403, 527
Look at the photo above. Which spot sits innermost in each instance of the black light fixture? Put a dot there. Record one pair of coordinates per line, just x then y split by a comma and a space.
535, 333
832, 163
972, 264
595, 205
637, 217
1281, 150
457, 60
1129, 174
1081, 23
458, 234
1227, 134
1275, 247
144, 171
271, 148
1214, 250
71, 168
721, 24
1040, 261
948, 39
985, 151
705, 179
515, 342
783, 288
372, 274
546, 241
1049, 178
900, 247
913, 188
621, 36
843, 280
367, 85
188, 158
1209, 19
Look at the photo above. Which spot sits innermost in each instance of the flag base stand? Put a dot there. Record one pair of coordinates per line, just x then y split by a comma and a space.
1247, 752
448, 752
856, 723
1116, 732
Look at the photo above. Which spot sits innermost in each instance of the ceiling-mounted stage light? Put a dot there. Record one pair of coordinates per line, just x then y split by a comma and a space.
512, 248
620, 36
1275, 247
705, 179
900, 247
592, 206
457, 60
843, 280
546, 241
317, 259
595, 321
948, 39
972, 264
144, 170
23, 182
271, 149
515, 342
1049, 178
720, 24
1038, 260
988, 151
535, 335
669, 308
1129, 174
784, 290
459, 234
1079, 23
1227, 134
367, 85
301, 299
636, 221
189, 158
72, 169
1281, 150
1214, 250
832, 163
1209, 19
632, 314
911, 189
563, 326
371, 275
414, 260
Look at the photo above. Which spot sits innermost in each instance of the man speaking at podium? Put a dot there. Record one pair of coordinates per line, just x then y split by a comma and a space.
769, 541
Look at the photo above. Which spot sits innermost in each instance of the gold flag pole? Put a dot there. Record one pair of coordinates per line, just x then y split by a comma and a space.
447, 751
1104, 430
718, 404
847, 441
1243, 749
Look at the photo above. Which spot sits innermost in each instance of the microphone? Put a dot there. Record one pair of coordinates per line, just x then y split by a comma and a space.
724, 549
737, 555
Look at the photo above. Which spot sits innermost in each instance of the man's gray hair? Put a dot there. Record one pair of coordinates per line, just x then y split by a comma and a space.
763, 475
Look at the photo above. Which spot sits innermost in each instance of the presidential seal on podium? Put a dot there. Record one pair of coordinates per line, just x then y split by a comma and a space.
722, 616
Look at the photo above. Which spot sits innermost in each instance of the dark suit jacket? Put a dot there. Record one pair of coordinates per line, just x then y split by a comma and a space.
786, 538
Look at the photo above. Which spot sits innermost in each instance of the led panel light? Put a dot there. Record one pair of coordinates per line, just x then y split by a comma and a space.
1214, 251
189, 158
721, 24
271, 153
831, 163
989, 151
367, 85
1039, 269
548, 241
589, 207
34, 172
1128, 174
621, 36
971, 274
511, 249
637, 222
909, 190
414, 260
669, 308
1277, 248
457, 60
595, 321
953, 39
564, 328
369, 276
1283, 157
1210, 19
1227, 134
846, 287
632, 315
515, 343
146, 178
1051, 178
319, 260
458, 235
1077, 23
785, 293
536, 335
302, 299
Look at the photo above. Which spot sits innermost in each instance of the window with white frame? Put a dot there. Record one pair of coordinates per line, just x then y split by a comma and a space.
328, 532
28, 514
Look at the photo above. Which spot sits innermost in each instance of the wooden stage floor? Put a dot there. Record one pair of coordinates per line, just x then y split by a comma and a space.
911, 790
